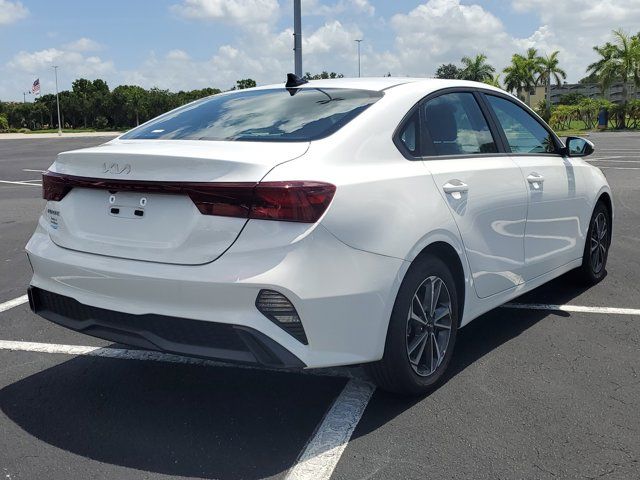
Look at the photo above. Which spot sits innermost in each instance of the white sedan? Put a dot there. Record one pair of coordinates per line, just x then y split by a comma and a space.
327, 223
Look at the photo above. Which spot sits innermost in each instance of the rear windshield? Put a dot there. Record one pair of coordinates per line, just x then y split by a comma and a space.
261, 115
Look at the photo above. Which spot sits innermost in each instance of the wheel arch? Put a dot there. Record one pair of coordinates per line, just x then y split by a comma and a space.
447, 253
605, 197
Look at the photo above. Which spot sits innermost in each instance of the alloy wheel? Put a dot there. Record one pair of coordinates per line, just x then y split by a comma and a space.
599, 242
429, 326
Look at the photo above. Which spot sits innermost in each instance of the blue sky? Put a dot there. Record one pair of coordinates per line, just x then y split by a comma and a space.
184, 44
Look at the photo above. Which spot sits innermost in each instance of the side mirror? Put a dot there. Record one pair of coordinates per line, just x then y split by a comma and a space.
578, 147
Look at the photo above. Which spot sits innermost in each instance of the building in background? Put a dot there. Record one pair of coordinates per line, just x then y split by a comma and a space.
589, 90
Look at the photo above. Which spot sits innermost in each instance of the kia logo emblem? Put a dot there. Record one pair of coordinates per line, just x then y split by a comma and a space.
116, 168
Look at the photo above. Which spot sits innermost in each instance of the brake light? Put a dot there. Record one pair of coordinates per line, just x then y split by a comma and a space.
54, 187
296, 201
291, 201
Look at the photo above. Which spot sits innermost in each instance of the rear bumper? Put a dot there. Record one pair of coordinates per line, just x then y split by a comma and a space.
233, 343
343, 296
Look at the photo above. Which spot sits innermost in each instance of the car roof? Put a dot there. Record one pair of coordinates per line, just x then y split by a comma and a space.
385, 83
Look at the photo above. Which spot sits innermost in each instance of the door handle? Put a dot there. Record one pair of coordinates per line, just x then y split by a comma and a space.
535, 178
455, 186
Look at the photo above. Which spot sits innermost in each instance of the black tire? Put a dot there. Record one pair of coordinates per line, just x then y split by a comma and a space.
396, 372
594, 264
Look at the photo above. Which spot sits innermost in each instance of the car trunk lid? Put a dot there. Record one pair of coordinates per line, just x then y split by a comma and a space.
128, 199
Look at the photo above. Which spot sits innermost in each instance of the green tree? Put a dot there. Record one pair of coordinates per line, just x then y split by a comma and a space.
49, 103
323, 75
520, 75
619, 61
129, 103
573, 98
448, 71
476, 69
83, 91
592, 78
245, 83
494, 81
549, 69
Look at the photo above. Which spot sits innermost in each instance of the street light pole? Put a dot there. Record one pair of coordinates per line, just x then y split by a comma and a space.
358, 41
55, 68
297, 37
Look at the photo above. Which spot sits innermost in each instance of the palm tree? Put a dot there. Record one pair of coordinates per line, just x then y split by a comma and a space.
619, 61
549, 69
494, 81
520, 75
477, 69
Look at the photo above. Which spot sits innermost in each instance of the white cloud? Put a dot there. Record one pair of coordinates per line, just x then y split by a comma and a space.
332, 37
574, 26
83, 44
443, 31
74, 63
24, 67
260, 53
416, 41
11, 12
315, 7
240, 12
177, 55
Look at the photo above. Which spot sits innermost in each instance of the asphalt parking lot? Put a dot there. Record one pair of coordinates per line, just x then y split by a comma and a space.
550, 390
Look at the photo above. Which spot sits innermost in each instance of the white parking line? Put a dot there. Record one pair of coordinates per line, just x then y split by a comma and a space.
108, 352
13, 303
602, 159
23, 182
321, 455
32, 170
610, 160
153, 356
573, 308
618, 168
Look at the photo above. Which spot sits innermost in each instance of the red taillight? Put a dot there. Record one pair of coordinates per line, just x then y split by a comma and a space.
222, 199
54, 187
291, 201
299, 201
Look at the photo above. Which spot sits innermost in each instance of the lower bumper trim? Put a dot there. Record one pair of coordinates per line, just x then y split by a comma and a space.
183, 336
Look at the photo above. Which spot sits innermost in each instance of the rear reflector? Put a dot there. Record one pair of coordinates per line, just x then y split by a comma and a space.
297, 201
277, 308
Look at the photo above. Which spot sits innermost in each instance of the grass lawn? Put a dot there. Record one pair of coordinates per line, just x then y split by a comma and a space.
577, 127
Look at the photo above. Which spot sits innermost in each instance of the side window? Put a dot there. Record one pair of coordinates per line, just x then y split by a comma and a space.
409, 134
456, 126
524, 133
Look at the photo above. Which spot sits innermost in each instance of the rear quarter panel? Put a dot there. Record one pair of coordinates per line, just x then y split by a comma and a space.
384, 203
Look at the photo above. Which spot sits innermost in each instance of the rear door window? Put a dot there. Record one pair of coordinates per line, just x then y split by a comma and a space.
455, 125
274, 115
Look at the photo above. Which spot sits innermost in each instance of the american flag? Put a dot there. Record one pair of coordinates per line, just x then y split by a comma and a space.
36, 87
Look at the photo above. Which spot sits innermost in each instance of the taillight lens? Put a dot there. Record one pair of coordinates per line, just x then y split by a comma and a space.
291, 201
298, 201
224, 200
54, 187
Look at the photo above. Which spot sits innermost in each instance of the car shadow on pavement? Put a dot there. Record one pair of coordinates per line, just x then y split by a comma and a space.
211, 422
172, 419
475, 340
